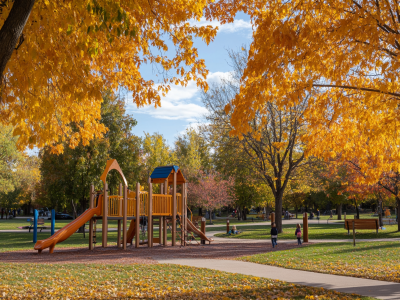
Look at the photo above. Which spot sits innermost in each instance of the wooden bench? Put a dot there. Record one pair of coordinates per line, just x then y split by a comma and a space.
40, 224
361, 224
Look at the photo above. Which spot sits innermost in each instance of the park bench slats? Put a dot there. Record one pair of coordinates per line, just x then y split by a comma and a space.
361, 224
40, 224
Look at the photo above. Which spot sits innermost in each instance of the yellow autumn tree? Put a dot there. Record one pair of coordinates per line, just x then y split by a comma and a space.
344, 55
155, 153
70, 51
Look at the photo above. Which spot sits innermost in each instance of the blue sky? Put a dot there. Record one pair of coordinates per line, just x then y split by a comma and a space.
182, 106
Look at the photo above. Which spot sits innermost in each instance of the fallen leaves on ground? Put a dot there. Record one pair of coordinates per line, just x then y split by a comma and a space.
76, 281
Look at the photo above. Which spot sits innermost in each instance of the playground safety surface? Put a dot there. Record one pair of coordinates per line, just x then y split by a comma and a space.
142, 255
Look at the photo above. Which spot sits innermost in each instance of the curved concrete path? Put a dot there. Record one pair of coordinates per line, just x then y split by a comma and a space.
294, 240
344, 284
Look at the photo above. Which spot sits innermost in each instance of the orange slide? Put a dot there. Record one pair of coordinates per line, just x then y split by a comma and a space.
65, 232
131, 233
192, 228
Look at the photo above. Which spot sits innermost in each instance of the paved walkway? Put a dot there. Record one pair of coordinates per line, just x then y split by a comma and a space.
344, 284
284, 222
294, 240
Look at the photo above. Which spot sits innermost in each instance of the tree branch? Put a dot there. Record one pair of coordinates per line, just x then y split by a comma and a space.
12, 30
397, 95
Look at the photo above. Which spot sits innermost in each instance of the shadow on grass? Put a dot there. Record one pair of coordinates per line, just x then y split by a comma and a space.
358, 248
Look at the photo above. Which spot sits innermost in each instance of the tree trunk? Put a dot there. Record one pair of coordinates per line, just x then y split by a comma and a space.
83, 204
358, 211
12, 30
266, 212
339, 211
74, 209
2, 212
296, 208
200, 212
380, 219
29, 208
398, 211
278, 211
210, 216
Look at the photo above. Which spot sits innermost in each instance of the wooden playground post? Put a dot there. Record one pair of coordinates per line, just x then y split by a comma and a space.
119, 221
174, 210
186, 186
165, 227
125, 217
105, 214
227, 226
183, 214
137, 229
160, 219
272, 218
150, 217
203, 229
305, 227
160, 230
91, 205
166, 187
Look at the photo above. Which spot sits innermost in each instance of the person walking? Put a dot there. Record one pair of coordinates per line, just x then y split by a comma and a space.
298, 234
274, 235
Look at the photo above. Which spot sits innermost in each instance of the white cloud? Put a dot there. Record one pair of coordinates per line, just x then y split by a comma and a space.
237, 25
196, 126
181, 103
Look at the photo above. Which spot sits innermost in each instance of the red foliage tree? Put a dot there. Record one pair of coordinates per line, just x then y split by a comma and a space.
212, 191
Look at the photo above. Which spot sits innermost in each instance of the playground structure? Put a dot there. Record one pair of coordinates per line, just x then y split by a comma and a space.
134, 205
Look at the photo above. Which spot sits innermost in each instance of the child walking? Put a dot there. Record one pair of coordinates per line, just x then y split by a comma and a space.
298, 234
274, 235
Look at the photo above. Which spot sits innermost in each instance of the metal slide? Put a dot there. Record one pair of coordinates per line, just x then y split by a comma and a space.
192, 228
65, 232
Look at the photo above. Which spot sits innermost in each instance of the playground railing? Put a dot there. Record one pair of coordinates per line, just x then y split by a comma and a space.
162, 205
114, 206
144, 204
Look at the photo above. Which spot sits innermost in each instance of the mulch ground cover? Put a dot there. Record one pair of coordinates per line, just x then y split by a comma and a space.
141, 255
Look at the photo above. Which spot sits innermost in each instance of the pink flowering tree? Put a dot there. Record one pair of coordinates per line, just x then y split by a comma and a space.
211, 191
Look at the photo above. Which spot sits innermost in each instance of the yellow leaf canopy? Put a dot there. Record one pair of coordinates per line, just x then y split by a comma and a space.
73, 50
344, 55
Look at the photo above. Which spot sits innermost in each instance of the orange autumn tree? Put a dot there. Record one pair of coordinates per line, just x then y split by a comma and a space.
387, 186
67, 52
344, 55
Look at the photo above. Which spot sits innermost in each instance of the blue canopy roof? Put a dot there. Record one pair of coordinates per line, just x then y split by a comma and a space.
162, 173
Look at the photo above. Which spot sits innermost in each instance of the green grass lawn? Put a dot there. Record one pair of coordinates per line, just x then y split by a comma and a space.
234, 221
42, 281
321, 231
24, 241
374, 260
13, 224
